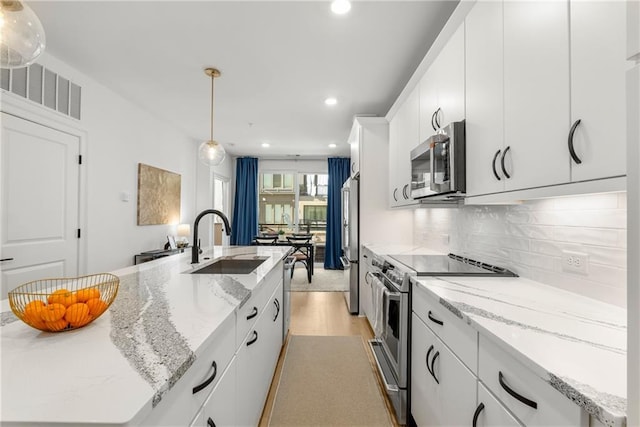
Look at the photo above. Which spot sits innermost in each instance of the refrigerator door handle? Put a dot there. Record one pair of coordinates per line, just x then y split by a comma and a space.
346, 265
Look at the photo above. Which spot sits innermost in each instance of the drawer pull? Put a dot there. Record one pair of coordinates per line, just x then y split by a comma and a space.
210, 422
277, 304
572, 151
504, 169
477, 414
434, 320
253, 313
254, 339
427, 359
521, 398
495, 173
209, 380
433, 371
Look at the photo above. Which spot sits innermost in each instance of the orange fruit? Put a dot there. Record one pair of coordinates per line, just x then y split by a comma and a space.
62, 296
88, 318
84, 295
52, 312
57, 325
96, 306
32, 312
76, 313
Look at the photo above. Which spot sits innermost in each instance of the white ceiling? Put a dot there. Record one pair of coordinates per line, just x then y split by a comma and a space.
279, 61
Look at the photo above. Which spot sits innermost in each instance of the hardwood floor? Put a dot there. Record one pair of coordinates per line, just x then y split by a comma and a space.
321, 313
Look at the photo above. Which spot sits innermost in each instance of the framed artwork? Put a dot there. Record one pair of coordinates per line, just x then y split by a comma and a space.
158, 196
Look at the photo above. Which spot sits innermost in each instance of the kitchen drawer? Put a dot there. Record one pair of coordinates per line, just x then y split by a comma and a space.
461, 338
249, 313
552, 408
180, 403
490, 412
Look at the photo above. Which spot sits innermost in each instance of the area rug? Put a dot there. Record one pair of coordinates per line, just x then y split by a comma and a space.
328, 381
321, 281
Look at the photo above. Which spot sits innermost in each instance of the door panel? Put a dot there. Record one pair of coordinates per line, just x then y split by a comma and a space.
39, 202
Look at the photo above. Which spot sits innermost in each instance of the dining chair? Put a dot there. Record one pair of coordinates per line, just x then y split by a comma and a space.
301, 253
264, 240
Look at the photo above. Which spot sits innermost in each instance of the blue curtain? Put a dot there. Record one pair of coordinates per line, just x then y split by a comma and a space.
245, 206
338, 174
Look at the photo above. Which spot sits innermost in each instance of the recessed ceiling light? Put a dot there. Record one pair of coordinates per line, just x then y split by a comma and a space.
332, 145
340, 7
265, 144
331, 101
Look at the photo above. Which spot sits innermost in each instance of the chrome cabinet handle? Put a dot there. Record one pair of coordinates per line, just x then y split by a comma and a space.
574, 156
253, 313
504, 169
434, 320
519, 397
477, 414
493, 165
208, 381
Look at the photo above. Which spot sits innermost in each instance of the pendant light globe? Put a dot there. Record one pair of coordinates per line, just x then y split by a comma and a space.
22, 38
211, 152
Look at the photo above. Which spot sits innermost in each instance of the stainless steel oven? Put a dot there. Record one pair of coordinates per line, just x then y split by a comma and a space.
390, 286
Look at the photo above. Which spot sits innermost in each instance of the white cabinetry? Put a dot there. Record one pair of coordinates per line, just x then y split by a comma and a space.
443, 390
534, 69
404, 135
256, 361
442, 88
366, 292
490, 412
354, 142
220, 408
598, 68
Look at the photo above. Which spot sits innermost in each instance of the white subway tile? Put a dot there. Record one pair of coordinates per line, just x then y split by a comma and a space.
591, 201
589, 236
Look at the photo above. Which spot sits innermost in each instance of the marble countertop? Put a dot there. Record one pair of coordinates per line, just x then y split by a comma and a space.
116, 369
576, 344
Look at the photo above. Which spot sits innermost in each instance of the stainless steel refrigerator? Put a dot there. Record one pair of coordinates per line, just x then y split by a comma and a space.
350, 243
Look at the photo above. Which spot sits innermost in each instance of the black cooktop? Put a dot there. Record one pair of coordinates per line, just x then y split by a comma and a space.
450, 265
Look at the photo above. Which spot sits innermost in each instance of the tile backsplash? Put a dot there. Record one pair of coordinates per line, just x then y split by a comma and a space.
530, 238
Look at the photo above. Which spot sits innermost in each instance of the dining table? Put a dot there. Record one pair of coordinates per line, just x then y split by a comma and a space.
310, 245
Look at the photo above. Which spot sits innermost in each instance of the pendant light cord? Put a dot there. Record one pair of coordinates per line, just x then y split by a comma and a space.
212, 78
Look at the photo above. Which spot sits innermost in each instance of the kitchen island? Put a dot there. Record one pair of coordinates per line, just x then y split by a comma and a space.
124, 367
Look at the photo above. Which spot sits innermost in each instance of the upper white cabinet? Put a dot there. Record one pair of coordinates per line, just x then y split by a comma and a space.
354, 142
598, 67
403, 137
442, 88
544, 92
484, 98
536, 93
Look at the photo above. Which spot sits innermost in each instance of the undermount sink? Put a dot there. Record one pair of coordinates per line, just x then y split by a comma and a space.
229, 265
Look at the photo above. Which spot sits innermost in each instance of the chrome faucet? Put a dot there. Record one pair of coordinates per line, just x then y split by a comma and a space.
195, 250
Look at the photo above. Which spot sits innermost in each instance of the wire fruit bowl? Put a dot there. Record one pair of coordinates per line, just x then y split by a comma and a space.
58, 305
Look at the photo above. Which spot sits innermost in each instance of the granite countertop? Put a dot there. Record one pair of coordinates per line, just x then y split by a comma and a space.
576, 344
116, 369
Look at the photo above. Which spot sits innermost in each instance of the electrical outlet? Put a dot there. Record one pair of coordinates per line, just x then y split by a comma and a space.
575, 262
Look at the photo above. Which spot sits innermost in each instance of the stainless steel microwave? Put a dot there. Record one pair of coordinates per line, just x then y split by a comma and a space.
438, 165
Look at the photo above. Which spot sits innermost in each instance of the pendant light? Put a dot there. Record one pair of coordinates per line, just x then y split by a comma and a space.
22, 37
211, 152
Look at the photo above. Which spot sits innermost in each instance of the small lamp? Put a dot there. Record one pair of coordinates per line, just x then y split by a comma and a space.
184, 231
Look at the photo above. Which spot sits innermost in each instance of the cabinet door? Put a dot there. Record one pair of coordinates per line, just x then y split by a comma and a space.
394, 158
365, 285
598, 66
220, 408
484, 98
256, 362
443, 390
536, 92
428, 88
354, 142
490, 412
450, 79
409, 138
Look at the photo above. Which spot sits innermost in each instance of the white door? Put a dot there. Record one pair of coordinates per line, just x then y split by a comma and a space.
39, 193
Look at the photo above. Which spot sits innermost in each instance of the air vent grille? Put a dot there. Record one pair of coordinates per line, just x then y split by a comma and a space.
43, 87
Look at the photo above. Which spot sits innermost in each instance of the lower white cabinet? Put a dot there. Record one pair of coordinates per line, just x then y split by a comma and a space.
256, 362
443, 390
366, 296
219, 410
490, 412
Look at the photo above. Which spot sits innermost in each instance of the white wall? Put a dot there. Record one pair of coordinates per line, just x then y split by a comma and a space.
529, 239
119, 136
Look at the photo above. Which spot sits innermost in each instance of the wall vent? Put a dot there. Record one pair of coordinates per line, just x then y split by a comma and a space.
43, 87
